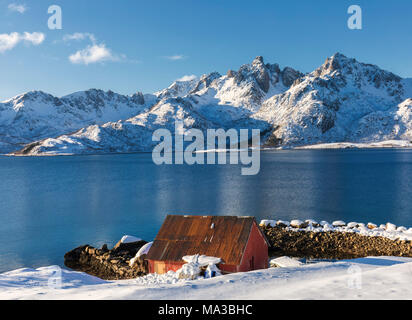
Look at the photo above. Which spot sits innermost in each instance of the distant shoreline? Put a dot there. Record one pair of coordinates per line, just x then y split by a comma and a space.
387, 144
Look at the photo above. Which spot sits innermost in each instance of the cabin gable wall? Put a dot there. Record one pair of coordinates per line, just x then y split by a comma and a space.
256, 254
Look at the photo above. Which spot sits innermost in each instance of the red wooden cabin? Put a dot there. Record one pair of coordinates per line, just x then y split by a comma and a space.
238, 241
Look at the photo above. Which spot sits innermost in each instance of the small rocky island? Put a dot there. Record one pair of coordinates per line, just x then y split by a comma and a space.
307, 239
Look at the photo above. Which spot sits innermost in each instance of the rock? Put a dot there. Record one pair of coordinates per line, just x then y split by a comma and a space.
353, 225
390, 227
130, 248
138, 98
296, 223
231, 74
107, 264
283, 224
289, 76
311, 222
339, 223
371, 226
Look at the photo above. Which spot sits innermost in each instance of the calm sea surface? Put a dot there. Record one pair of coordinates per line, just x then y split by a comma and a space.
51, 205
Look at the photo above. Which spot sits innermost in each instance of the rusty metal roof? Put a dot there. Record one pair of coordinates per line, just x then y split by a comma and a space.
223, 237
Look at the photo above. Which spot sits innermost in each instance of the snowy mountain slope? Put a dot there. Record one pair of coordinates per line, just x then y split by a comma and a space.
134, 134
343, 100
224, 100
241, 93
36, 115
178, 88
236, 95
131, 135
221, 101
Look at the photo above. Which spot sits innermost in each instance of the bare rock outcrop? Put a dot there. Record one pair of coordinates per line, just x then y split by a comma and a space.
107, 264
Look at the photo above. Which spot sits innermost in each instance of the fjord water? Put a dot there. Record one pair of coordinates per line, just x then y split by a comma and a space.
51, 205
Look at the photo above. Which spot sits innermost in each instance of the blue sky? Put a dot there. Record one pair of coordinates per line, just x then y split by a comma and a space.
138, 40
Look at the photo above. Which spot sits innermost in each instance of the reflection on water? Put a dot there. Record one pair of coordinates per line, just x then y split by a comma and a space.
51, 205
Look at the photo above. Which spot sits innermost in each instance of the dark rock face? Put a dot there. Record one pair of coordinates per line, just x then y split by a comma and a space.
261, 74
231, 74
289, 76
205, 81
138, 98
107, 264
332, 245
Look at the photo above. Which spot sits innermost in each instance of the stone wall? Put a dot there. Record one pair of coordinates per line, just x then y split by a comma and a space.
332, 245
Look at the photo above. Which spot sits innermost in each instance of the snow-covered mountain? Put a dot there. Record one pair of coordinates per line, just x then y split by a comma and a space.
36, 115
213, 101
343, 100
179, 88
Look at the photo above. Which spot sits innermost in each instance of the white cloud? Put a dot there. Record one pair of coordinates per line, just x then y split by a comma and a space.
20, 8
187, 78
175, 57
9, 41
93, 54
80, 36
35, 38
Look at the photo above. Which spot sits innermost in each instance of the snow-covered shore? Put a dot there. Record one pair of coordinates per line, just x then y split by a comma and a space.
365, 278
394, 144
388, 230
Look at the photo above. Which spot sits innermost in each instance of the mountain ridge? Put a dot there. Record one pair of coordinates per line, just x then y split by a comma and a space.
342, 100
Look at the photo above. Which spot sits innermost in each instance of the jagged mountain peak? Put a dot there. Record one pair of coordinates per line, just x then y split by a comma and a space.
29, 95
178, 88
258, 61
205, 81
339, 64
266, 75
92, 93
30, 101
336, 63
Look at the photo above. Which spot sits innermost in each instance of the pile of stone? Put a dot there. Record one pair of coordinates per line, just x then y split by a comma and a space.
114, 264
286, 240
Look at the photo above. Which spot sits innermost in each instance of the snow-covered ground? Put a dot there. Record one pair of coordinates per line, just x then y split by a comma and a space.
351, 145
366, 278
388, 230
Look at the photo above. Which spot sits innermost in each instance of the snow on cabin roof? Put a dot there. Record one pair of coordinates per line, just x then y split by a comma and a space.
181, 236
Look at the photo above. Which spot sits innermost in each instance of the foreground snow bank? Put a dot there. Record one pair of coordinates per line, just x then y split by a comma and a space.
366, 278
285, 262
388, 230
